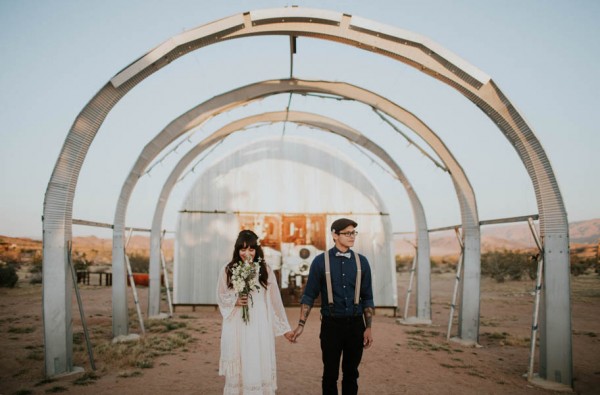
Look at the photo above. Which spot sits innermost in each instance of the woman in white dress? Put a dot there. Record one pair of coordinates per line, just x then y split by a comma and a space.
248, 348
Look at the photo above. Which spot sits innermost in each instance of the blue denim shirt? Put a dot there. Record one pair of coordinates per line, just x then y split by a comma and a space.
343, 283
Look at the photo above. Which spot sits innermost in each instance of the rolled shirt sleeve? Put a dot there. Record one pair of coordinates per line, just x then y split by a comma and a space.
366, 287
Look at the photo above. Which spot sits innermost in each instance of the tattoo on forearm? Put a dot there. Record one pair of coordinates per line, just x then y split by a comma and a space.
304, 311
368, 313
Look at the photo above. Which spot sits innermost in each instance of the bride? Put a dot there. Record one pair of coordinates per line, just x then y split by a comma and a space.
248, 345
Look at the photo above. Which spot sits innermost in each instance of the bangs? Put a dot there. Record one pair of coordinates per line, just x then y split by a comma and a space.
247, 239
244, 244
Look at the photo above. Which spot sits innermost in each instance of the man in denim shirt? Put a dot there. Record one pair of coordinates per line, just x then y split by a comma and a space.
345, 324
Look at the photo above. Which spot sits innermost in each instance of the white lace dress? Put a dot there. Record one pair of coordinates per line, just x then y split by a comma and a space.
248, 350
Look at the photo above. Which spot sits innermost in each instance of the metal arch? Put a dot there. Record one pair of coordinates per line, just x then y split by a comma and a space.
387, 292
302, 118
469, 318
406, 47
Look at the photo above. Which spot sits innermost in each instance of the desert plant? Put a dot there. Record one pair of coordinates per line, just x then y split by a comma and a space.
139, 263
80, 264
506, 264
403, 263
581, 265
8, 276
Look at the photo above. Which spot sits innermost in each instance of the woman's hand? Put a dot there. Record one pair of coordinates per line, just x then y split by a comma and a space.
242, 300
289, 336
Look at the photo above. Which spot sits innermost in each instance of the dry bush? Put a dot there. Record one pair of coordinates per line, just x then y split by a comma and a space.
506, 264
581, 265
8, 276
139, 263
403, 263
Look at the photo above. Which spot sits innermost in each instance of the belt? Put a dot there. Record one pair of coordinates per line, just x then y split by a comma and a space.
348, 318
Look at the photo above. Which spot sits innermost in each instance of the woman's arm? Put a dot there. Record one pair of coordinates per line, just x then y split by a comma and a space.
281, 325
226, 297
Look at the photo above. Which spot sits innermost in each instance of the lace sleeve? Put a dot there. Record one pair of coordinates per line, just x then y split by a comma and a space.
226, 297
278, 315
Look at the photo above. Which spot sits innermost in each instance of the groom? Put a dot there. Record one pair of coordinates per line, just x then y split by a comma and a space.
343, 278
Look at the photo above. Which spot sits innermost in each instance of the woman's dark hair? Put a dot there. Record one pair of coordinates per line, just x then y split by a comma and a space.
248, 238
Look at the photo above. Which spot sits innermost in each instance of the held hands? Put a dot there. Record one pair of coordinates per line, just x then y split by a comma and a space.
289, 336
297, 332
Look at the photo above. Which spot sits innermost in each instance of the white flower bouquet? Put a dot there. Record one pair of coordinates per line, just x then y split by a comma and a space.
244, 279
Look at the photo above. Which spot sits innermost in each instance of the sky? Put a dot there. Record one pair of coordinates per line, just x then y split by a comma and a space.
543, 54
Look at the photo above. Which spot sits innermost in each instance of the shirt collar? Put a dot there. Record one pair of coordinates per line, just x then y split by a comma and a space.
336, 250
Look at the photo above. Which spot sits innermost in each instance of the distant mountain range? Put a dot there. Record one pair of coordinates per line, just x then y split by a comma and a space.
515, 236
584, 239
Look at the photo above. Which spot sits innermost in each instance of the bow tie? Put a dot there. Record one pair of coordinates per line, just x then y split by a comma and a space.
346, 254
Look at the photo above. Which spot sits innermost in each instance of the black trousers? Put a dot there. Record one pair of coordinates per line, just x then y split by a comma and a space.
341, 337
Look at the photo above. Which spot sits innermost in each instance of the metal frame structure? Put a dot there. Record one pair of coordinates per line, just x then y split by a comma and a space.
301, 118
469, 319
404, 46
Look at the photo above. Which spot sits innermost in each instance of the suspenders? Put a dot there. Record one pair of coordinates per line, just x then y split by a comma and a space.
328, 281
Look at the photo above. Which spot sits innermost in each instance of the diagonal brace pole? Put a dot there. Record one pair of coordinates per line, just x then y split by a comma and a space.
80, 305
538, 290
457, 282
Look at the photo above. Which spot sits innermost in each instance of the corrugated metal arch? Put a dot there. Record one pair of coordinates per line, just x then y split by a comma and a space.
469, 312
302, 118
406, 47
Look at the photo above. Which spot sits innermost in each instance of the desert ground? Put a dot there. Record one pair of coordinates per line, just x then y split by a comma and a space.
180, 355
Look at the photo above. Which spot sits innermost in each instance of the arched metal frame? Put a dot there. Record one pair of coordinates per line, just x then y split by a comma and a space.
406, 47
301, 118
469, 317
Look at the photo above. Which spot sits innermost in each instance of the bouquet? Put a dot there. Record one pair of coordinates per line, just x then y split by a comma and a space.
244, 280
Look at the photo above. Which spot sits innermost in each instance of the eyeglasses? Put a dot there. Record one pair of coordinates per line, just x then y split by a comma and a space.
348, 234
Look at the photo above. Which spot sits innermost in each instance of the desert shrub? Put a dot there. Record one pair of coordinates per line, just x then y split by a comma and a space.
139, 263
581, 265
80, 264
403, 263
8, 276
35, 269
503, 265
36, 274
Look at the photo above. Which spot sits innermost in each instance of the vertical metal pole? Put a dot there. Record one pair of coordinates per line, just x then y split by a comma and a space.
410, 282
132, 284
80, 305
164, 267
456, 283
536, 305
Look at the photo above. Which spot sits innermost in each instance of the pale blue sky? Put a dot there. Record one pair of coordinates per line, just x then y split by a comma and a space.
543, 54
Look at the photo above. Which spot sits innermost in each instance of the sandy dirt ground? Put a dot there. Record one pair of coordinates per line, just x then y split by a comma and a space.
181, 355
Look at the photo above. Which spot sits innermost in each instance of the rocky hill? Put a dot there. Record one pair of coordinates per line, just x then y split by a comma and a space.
584, 238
